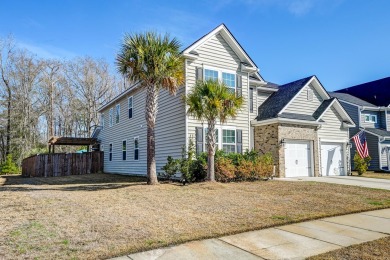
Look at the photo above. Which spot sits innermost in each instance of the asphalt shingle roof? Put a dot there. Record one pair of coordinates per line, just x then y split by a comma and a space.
378, 131
297, 116
324, 105
278, 100
351, 99
375, 92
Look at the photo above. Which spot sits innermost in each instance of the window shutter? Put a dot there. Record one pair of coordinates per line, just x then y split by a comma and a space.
130, 112
199, 73
199, 140
239, 141
238, 85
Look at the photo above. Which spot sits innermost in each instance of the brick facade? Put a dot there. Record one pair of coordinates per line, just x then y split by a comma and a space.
269, 138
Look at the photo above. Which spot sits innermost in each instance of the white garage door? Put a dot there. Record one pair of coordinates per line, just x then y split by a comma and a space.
332, 159
297, 158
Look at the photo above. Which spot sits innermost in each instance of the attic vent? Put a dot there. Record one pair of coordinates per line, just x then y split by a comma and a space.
310, 95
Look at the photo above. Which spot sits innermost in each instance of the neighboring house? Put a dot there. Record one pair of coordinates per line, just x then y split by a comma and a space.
294, 121
376, 92
375, 121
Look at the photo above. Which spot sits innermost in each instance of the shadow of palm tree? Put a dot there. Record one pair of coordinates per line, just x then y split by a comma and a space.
89, 182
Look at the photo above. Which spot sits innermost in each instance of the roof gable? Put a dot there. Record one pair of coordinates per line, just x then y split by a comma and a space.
278, 100
190, 51
333, 103
375, 92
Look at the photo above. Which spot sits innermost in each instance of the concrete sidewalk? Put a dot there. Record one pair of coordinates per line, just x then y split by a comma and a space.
346, 180
295, 241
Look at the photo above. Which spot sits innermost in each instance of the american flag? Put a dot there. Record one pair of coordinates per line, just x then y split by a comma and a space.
361, 144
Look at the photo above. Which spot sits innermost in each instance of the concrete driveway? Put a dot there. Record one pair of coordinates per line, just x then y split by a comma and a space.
346, 180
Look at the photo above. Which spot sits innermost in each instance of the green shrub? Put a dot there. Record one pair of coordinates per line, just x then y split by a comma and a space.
9, 167
171, 168
224, 169
361, 164
198, 168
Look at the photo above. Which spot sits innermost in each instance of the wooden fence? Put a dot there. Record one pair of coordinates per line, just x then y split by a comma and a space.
62, 164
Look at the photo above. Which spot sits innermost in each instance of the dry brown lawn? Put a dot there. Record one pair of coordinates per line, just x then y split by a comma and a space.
100, 216
371, 174
377, 249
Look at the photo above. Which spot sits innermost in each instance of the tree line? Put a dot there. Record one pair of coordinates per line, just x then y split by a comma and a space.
40, 98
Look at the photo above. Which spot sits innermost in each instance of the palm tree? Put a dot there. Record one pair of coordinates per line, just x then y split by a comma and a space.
155, 62
211, 101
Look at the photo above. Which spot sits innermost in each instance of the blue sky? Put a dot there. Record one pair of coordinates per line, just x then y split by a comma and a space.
343, 42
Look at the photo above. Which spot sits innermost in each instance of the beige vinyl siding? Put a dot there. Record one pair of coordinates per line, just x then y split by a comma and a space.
332, 127
300, 104
258, 99
218, 54
170, 132
127, 129
170, 127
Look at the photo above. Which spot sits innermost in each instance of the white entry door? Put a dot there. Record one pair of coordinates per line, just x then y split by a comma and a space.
297, 158
332, 159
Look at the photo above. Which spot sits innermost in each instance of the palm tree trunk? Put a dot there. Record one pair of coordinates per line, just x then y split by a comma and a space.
211, 150
151, 113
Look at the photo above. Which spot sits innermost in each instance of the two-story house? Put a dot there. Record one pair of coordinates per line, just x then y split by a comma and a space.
375, 121
295, 121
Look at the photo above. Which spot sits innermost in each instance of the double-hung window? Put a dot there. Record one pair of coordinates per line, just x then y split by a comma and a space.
130, 103
136, 149
230, 81
210, 75
229, 140
124, 148
111, 116
110, 153
102, 120
117, 113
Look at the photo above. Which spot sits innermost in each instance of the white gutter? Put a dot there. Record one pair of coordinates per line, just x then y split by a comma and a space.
284, 120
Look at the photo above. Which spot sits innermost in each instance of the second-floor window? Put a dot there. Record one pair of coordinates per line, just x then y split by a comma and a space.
229, 79
102, 120
117, 113
130, 103
136, 149
110, 152
371, 118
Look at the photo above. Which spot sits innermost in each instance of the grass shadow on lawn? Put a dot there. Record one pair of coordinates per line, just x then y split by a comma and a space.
70, 183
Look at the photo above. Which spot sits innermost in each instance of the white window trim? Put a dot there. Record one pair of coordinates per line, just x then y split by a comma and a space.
132, 106
220, 71
124, 150
110, 152
111, 117
235, 137
119, 113
370, 118
136, 148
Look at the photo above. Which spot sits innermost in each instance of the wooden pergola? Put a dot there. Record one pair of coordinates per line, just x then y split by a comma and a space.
56, 140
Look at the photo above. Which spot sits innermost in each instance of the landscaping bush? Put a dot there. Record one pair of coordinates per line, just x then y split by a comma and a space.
9, 167
228, 166
224, 169
171, 168
361, 164
245, 170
